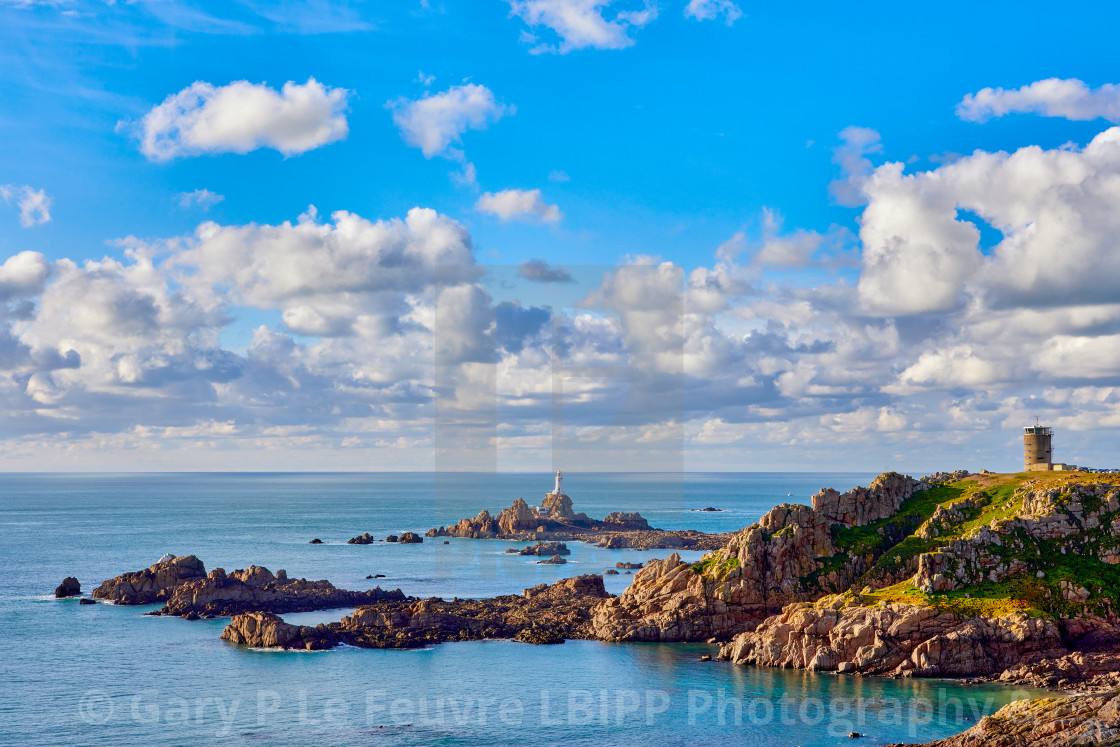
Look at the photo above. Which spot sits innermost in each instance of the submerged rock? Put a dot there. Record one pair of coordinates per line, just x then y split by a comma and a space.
68, 588
315, 542
554, 560
84, 600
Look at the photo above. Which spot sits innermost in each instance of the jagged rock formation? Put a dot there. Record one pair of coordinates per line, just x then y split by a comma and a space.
257, 589
68, 588
1081, 720
557, 521
265, 630
188, 591
153, 584
410, 538
541, 614
762, 568
361, 539
895, 639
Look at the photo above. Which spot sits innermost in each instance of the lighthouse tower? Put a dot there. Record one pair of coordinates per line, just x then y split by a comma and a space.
559, 489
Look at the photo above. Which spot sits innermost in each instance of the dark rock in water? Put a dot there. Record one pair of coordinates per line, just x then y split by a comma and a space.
68, 588
362, 539
84, 600
628, 566
441, 532
154, 584
315, 542
369, 577
391, 538
410, 538
706, 657
542, 548
708, 508
610, 572
379, 575
446, 542
554, 560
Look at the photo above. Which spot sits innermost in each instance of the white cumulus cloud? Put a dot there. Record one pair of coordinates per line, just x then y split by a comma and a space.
707, 10
518, 203
34, 204
436, 122
1054, 97
582, 24
243, 116
202, 198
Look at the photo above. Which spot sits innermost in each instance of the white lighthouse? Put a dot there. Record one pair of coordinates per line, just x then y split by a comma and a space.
559, 489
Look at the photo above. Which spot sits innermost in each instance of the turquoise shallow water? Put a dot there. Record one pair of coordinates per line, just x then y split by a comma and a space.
106, 675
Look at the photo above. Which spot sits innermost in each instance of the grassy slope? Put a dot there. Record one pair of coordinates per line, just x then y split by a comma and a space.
888, 544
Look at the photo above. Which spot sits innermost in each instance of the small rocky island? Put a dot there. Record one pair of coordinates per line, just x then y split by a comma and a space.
555, 520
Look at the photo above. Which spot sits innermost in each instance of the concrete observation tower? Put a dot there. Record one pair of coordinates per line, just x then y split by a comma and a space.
1038, 450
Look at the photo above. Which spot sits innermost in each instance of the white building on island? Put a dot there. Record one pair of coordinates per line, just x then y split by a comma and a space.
559, 489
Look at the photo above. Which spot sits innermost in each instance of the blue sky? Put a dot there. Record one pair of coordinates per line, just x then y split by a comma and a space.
701, 138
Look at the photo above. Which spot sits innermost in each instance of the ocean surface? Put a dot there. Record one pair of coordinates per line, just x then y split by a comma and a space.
105, 675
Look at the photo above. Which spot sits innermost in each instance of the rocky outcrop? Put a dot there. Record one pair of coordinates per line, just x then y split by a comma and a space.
554, 560
410, 538
1075, 520
898, 639
761, 569
559, 507
542, 614
68, 588
626, 522
154, 584
543, 548
257, 589
628, 566
1081, 720
361, 539
556, 521
861, 506
265, 630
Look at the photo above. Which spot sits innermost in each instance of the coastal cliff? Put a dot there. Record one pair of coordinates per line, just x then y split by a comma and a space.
770, 564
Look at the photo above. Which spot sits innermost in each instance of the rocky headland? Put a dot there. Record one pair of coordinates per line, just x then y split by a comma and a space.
1074, 721
556, 521
186, 590
541, 614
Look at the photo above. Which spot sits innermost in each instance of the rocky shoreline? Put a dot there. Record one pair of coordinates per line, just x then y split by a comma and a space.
994, 578
544, 614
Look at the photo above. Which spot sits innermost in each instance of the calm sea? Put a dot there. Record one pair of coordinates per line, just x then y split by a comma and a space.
105, 675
